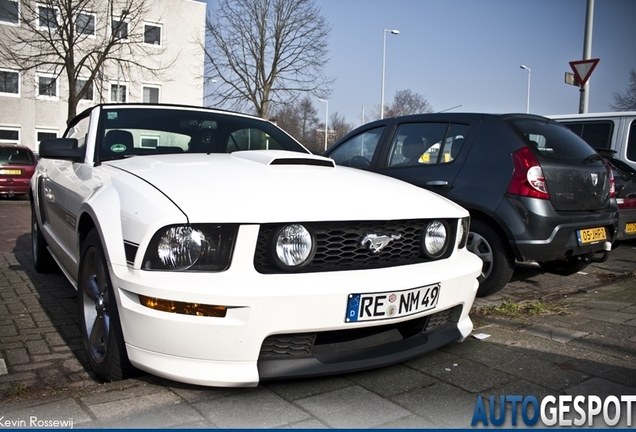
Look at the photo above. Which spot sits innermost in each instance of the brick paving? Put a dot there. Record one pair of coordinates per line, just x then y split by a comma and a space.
588, 348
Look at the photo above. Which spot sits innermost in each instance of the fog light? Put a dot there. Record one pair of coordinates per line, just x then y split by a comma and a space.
435, 239
294, 247
183, 308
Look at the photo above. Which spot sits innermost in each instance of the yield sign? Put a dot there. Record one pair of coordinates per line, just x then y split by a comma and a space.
583, 69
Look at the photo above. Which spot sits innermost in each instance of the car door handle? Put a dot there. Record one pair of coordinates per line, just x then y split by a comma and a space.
437, 183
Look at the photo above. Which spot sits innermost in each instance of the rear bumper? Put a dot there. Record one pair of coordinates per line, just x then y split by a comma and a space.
14, 186
540, 233
625, 217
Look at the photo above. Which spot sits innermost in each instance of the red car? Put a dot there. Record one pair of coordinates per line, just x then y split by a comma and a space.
17, 165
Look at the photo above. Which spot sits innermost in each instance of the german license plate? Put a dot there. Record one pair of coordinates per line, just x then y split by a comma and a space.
630, 228
391, 304
591, 235
10, 172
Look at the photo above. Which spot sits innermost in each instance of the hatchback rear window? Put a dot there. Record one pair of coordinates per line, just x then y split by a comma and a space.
552, 141
10, 156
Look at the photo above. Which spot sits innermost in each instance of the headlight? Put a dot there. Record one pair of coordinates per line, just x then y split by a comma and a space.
462, 233
435, 241
180, 247
191, 247
294, 247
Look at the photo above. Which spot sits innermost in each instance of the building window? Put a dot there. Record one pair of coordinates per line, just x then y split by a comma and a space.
9, 82
118, 93
42, 135
152, 34
9, 12
151, 94
120, 29
47, 86
11, 136
149, 141
47, 17
79, 85
85, 24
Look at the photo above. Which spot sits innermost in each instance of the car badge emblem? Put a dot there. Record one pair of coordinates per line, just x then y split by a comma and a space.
594, 179
376, 242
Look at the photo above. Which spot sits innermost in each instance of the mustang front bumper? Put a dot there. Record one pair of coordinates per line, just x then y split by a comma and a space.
286, 325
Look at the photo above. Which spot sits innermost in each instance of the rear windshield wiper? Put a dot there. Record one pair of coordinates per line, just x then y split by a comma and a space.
592, 158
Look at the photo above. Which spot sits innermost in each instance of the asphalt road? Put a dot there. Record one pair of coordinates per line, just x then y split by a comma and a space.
543, 335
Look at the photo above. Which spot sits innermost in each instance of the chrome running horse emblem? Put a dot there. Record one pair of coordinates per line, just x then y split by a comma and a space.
376, 242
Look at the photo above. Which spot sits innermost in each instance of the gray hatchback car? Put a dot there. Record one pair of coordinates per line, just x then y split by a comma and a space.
535, 190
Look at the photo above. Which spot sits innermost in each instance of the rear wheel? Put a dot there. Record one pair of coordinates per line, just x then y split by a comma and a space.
498, 262
42, 259
566, 266
98, 315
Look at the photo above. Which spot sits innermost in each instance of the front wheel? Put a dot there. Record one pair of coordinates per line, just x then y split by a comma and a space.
568, 266
98, 315
498, 262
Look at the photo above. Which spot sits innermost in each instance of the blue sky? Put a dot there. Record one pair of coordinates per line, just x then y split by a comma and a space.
469, 52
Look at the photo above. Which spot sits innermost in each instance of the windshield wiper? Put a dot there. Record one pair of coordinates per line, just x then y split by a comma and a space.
592, 158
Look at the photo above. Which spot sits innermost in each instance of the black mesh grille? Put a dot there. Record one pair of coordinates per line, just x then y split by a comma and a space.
338, 245
302, 344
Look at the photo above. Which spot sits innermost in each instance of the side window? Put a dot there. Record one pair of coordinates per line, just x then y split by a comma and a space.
357, 152
631, 142
79, 130
453, 143
417, 144
597, 134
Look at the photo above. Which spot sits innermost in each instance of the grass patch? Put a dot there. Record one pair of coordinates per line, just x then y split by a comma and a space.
512, 309
17, 390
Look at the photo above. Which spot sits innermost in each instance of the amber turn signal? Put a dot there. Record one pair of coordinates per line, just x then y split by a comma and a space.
183, 308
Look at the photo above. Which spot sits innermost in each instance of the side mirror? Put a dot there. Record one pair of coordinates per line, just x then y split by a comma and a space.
61, 148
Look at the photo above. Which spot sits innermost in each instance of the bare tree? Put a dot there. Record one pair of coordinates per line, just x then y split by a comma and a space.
298, 118
339, 126
407, 102
79, 39
626, 101
264, 51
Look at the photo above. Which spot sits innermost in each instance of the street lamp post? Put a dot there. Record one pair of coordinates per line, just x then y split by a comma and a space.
528, 97
395, 32
326, 119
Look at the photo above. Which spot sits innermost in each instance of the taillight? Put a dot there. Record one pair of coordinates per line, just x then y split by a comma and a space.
527, 179
611, 177
626, 203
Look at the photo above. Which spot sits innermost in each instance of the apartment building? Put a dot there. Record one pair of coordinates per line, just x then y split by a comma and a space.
34, 104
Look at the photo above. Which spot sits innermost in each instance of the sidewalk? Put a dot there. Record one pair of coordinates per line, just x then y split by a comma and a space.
584, 344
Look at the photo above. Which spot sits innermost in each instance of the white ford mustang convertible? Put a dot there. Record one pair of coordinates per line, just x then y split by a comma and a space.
211, 248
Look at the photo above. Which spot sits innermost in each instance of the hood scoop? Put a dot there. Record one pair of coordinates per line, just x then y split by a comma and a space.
303, 161
275, 157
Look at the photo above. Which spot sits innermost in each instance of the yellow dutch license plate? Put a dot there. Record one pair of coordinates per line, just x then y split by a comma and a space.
630, 228
591, 235
10, 171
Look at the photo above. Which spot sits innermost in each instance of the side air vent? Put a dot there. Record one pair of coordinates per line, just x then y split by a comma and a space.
303, 161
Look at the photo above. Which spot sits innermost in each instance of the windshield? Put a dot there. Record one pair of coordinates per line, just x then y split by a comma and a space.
126, 132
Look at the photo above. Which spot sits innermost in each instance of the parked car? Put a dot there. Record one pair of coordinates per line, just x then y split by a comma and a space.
211, 248
535, 191
17, 165
614, 131
625, 179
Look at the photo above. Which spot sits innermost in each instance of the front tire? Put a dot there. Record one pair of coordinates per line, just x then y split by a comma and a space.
42, 259
98, 315
498, 261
